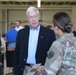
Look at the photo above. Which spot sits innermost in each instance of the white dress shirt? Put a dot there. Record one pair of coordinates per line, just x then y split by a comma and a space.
32, 45
18, 28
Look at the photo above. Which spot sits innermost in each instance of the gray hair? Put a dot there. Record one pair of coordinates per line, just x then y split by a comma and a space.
30, 9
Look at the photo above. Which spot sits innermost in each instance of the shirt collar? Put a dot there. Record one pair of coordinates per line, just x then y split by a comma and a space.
36, 28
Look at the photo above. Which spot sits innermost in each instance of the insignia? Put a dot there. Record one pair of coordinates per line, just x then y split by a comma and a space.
50, 54
41, 36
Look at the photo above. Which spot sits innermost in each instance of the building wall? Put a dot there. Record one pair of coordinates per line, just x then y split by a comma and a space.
46, 17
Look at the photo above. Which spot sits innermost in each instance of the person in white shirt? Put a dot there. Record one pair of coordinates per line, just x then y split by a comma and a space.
18, 25
3, 41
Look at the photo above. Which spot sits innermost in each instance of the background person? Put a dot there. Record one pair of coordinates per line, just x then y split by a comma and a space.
74, 32
11, 41
18, 25
1, 61
10, 35
3, 42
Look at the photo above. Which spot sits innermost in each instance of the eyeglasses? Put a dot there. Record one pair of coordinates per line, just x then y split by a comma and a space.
31, 17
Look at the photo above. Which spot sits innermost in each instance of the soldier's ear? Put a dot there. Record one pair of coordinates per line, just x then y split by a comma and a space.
57, 28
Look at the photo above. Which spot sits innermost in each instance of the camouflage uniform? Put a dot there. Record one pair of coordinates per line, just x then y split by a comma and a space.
61, 58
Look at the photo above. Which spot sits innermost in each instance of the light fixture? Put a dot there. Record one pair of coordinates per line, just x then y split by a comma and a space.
39, 3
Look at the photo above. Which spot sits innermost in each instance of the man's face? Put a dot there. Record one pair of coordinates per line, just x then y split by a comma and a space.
33, 18
17, 24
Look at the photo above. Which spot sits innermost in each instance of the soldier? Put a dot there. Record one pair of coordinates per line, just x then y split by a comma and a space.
61, 58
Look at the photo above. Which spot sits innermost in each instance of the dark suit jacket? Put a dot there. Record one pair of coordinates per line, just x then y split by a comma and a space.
46, 38
74, 32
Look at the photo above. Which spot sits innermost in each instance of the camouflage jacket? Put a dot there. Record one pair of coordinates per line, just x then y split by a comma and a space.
61, 58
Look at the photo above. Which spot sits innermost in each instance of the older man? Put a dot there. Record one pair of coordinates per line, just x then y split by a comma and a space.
32, 43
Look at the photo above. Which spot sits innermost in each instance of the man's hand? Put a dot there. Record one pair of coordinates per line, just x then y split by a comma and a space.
39, 69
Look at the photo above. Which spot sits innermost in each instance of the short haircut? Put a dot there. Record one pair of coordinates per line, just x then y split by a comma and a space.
30, 9
12, 25
18, 21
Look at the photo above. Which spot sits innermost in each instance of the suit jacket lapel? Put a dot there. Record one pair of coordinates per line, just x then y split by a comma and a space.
26, 38
41, 37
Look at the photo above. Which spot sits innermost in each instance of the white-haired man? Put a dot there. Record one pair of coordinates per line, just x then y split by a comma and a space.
32, 43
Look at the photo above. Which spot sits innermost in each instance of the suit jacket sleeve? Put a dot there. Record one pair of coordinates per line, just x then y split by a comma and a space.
16, 56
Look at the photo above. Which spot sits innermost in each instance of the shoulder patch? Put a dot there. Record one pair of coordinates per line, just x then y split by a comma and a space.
50, 54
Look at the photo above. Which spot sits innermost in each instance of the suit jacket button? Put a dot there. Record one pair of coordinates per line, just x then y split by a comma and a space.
24, 59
